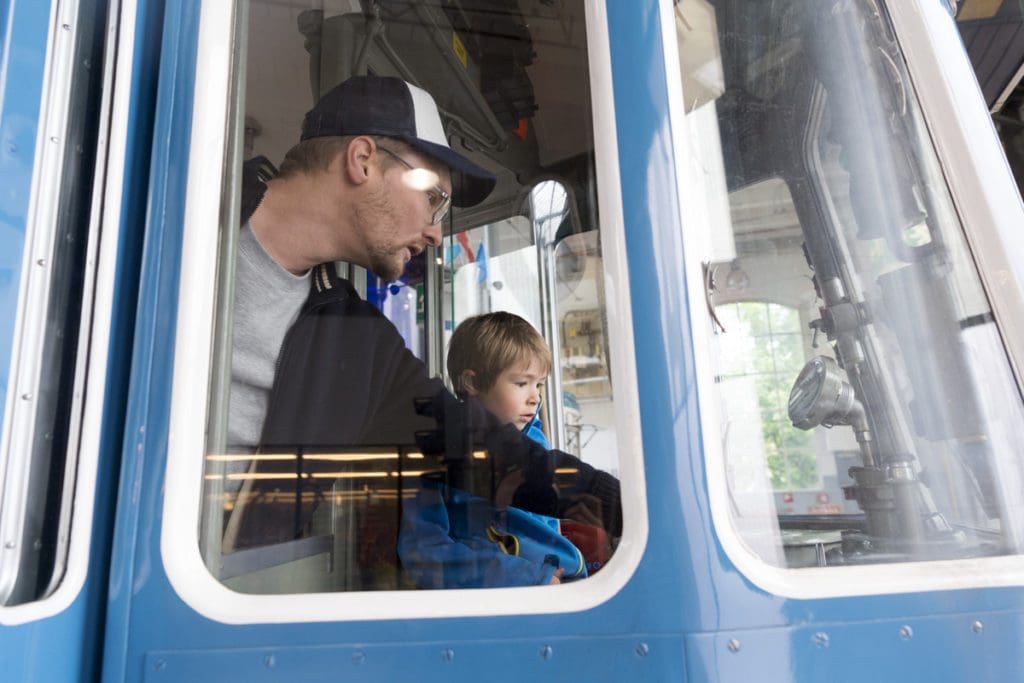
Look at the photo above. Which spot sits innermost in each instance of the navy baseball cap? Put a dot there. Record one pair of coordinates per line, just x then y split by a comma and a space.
377, 105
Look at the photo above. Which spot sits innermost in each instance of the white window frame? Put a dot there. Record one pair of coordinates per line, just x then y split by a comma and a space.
179, 545
98, 290
993, 203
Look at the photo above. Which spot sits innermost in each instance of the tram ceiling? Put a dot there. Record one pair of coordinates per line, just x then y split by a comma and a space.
993, 33
501, 88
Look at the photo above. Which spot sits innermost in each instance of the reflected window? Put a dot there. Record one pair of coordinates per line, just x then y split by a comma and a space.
761, 354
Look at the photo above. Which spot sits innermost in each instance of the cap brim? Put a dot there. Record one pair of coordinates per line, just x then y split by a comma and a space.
471, 184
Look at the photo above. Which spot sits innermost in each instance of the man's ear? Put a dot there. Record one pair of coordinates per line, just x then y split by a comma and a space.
468, 381
356, 160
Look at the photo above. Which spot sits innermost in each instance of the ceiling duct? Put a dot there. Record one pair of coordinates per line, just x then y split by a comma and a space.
471, 56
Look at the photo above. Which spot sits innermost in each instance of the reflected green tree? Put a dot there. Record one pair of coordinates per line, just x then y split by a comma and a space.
763, 342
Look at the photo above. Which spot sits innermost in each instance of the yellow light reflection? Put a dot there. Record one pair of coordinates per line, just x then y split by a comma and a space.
412, 473
348, 475
351, 457
240, 476
217, 457
331, 457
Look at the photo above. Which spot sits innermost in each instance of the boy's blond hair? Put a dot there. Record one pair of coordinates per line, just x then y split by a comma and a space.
491, 343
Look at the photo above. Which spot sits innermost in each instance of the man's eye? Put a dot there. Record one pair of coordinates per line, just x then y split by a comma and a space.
433, 198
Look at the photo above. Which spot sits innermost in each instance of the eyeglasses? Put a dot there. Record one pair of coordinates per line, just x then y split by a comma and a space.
440, 201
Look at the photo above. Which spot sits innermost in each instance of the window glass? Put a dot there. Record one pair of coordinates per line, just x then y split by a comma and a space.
867, 404
491, 268
761, 354
343, 453
47, 374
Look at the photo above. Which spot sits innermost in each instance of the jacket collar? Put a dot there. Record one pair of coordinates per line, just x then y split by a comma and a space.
326, 285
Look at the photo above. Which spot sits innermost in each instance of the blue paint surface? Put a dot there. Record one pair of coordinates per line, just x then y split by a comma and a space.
674, 620
69, 645
22, 54
52, 649
961, 647
139, 586
686, 599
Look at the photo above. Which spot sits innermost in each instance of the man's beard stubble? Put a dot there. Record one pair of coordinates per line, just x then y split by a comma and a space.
376, 218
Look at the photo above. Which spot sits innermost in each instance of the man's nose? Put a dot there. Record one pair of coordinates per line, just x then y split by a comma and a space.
433, 234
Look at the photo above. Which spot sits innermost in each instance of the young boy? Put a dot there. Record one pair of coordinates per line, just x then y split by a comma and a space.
452, 539
502, 361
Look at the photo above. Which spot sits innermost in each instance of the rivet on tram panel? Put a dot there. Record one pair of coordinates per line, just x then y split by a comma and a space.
820, 639
41, 262
448, 655
159, 665
906, 633
977, 627
546, 652
26, 397
358, 657
9, 545
66, 27
642, 649
269, 661
54, 139
733, 645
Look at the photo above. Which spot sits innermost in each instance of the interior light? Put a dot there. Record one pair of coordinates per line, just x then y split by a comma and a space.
351, 457
253, 456
348, 475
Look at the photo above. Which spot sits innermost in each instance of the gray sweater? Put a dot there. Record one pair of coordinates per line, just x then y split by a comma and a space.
267, 301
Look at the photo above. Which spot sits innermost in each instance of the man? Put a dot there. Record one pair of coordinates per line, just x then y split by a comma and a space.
369, 183
314, 367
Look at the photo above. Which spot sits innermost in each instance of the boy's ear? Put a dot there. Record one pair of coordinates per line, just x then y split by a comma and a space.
468, 380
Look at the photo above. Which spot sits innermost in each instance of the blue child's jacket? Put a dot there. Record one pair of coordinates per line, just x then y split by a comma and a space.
451, 539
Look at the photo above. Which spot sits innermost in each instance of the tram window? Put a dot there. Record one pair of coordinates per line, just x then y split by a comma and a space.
433, 493
46, 277
867, 406
491, 268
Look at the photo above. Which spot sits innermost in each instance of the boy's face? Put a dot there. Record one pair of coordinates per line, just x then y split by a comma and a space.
515, 395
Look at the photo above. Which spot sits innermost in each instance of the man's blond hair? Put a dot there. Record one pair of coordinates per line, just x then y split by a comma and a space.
491, 343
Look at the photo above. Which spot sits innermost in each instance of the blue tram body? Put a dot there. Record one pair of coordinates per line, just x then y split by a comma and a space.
690, 593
